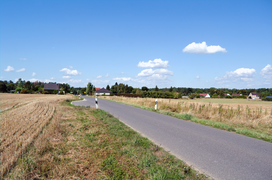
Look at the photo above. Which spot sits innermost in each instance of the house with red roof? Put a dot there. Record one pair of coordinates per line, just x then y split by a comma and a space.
205, 95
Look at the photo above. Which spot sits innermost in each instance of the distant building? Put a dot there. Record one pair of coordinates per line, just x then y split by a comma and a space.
253, 95
103, 91
50, 87
96, 89
205, 95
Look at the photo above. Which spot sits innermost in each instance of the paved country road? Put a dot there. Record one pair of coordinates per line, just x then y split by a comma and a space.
217, 153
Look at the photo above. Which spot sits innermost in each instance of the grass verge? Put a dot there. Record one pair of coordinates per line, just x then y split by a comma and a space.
92, 144
219, 125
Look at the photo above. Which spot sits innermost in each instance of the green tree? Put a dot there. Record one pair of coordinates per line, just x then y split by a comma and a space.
89, 89
83, 90
171, 89
215, 95
144, 88
212, 91
10, 86
108, 87
28, 85
20, 83
199, 91
156, 88
129, 89
3, 87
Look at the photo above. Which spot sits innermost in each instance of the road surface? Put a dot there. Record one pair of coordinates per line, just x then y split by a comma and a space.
217, 153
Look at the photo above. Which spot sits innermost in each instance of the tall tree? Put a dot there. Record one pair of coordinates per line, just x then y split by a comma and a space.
156, 88
89, 89
108, 87
3, 87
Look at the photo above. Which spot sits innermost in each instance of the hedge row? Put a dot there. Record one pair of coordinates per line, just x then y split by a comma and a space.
153, 94
267, 99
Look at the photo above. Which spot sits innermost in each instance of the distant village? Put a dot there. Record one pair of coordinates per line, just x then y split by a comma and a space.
27, 87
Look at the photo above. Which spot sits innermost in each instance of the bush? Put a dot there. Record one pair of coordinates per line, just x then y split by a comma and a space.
239, 97
55, 92
24, 92
128, 95
45, 92
192, 96
214, 95
267, 98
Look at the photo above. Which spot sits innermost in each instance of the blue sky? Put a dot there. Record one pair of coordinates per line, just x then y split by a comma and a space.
196, 43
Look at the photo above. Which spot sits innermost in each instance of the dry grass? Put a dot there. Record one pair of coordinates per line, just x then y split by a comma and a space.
252, 116
20, 125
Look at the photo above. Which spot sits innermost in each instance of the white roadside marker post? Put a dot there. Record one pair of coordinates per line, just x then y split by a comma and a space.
96, 103
156, 104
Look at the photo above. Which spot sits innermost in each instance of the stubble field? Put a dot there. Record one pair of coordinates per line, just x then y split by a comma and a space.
22, 119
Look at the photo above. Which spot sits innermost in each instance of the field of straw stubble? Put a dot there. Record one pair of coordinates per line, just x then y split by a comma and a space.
23, 118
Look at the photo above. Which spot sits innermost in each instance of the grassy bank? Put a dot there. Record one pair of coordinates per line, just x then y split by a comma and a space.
84, 143
258, 130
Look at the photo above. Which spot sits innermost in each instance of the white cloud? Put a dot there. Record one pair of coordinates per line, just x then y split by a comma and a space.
32, 80
266, 72
202, 48
99, 77
197, 77
21, 70
71, 67
122, 72
70, 72
75, 81
107, 75
52, 78
156, 63
47, 81
9, 68
23, 59
156, 72
66, 77
243, 74
33, 74
122, 79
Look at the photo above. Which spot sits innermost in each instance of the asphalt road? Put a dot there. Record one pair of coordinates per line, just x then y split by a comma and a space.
219, 154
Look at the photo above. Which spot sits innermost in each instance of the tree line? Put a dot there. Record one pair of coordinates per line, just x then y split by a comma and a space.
23, 86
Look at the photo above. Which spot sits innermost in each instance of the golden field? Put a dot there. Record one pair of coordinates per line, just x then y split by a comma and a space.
238, 112
22, 119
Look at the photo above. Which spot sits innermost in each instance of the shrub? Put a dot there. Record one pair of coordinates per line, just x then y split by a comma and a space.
267, 98
192, 96
239, 97
24, 92
45, 92
55, 92
214, 95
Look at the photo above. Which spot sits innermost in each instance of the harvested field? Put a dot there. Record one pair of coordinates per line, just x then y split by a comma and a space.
238, 113
21, 123
9, 101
